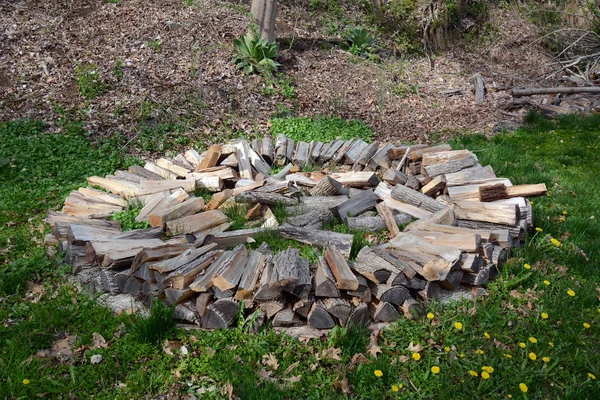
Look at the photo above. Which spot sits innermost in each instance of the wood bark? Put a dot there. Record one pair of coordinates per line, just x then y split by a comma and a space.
417, 199
501, 191
314, 237
553, 90
358, 204
344, 277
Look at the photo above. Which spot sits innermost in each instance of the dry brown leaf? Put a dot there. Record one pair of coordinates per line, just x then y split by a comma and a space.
119, 331
170, 345
374, 350
414, 348
403, 358
99, 341
263, 374
269, 360
359, 358
291, 367
63, 348
332, 353
294, 379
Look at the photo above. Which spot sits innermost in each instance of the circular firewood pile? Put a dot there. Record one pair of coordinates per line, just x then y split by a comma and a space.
462, 221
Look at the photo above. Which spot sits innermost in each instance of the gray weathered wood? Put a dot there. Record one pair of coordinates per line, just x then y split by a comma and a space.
358, 204
285, 272
314, 218
326, 187
249, 279
324, 282
318, 238
360, 316
230, 277
269, 199
319, 318
340, 269
373, 267
339, 308
417, 199
392, 294
302, 156
451, 166
383, 312
220, 314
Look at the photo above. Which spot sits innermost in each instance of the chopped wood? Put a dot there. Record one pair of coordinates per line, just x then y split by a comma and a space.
315, 237
211, 159
504, 214
193, 158
451, 166
302, 157
367, 153
267, 150
163, 173
404, 266
123, 188
150, 187
190, 206
514, 231
415, 198
471, 174
436, 185
255, 265
225, 240
285, 269
367, 224
315, 150
382, 311
202, 302
373, 267
289, 150
186, 274
280, 150
175, 296
360, 316
411, 308
471, 190
452, 281
392, 294
380, 158
302, 307
339, 308
500, 191
394, 177
432, 291
286, 318
144, 173
324, 282
269, 199
303, 285
464, 241
326, 187
319, 318
218, 199
229, 278
479, 88
477, 278
174, 168
356, 179
342, 273
330, 151
272, 307
314, 218
220, 314
416, 244
470, 262
243, 157
171, 264
354, 151
282, 174
358, 204
384, 193
204, 282
195, 223
100, 196
157, 254
388, 218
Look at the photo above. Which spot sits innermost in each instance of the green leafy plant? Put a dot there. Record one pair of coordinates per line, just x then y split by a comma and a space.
127, 218
89, 80
154, 327
118, 69
114, 1
322, 129
156, 44
255, 55
360, 41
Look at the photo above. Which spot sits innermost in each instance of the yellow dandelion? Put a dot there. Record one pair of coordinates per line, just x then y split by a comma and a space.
591, 376
485, 375
458, 325
565, 212
527, 266
550, 344
546, 359
378, 373
523, 387
435, 369
462, 355
430, 315
538, 228
487, 335
416, 356
509, 396
479, 351
561, 219
544, 315
488, 369
522, 345
530, 202
533, 340
555, 242
546, 282
571, 292
473, 373
507, 356
395, 388
446, 349
25, 381
586, 325
532, 356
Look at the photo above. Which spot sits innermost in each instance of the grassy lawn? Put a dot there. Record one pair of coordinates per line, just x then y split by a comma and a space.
534, 335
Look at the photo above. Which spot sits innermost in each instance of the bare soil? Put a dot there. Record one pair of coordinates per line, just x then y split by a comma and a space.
191, 79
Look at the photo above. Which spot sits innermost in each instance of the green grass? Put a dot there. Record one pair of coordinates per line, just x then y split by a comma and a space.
564, 155
322, 129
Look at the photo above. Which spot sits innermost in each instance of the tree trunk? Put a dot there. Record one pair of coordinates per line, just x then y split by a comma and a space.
265, 13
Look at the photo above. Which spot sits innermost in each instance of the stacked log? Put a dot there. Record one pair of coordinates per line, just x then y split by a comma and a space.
450, 224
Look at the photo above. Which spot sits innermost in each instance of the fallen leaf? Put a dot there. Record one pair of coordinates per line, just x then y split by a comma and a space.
263, 375
269, 360
291, 367
294, 379
403, 358
414, 348
332, 353
62, 348
119, 331
359, 358
170, 345
99, 341
374, 350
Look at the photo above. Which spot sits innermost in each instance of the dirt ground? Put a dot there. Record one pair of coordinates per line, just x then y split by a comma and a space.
191, 77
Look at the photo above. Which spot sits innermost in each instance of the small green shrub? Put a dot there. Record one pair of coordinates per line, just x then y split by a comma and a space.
154, 328
118, 69
321, 129
127, 218
114, 1
352, 339
255, 55
156, 44
360, 41
89, 80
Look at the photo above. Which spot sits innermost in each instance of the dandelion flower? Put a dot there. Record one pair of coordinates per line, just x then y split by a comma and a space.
446, 349
546, 359
507, 356
509, 396
571, 292
430, 315
555, 242
395, 388
378, 373
591, 376
539, 229
523, 387
435, 369
546, 282
458, 325
544, 315
561, 219
532, 356
487, 335
479, 351
26, 381
527, 266
533, 340
462, 355
416, 356
522, 345
473, 373
586, 325
488, 369
485, 375
530, 202
565, 212
550, 344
